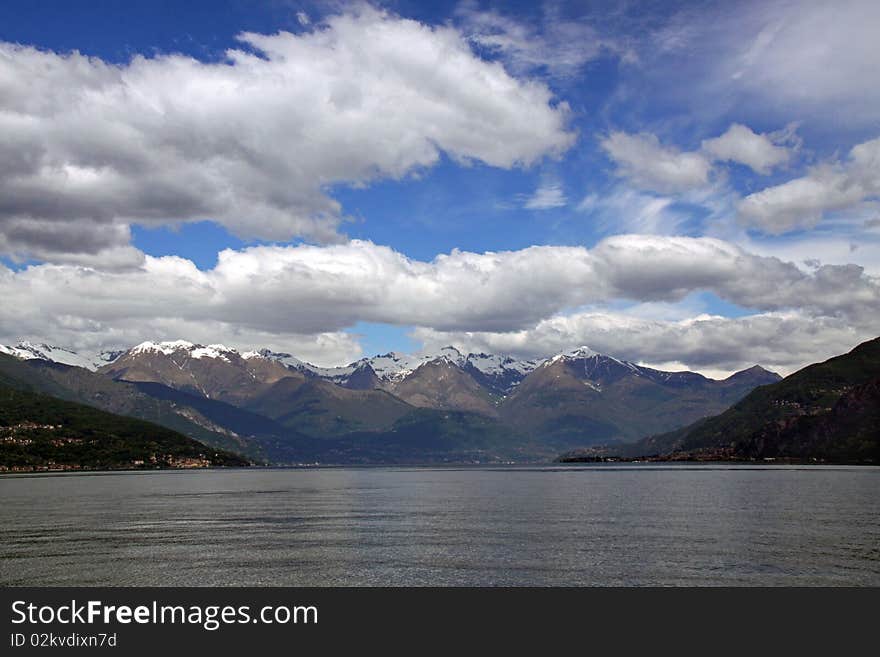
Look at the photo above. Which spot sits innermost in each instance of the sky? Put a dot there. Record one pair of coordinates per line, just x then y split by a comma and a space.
688, 185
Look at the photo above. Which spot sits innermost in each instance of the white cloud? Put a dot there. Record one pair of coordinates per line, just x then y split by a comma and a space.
801, 203
253, 142
548, 196
302, 291
649, 165
741, 144
818, 247
714, 345
647, 268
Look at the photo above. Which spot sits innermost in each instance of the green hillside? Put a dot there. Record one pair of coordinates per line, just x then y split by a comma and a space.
42, 432
84, 387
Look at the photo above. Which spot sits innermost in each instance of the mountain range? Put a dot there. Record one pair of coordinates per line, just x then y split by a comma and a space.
445, 406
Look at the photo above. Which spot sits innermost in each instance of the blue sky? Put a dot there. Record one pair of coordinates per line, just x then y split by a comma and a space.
683, 184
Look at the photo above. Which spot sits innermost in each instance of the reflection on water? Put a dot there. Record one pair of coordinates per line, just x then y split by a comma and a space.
592, 525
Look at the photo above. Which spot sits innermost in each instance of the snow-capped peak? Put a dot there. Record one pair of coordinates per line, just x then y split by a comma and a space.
213, 351
493, 364
582, 352
585, 353
389, 367
166, 348
194, 350
89, 360
392, 366
283, 358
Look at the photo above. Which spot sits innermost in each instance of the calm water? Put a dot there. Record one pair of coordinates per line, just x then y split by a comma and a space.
611, 525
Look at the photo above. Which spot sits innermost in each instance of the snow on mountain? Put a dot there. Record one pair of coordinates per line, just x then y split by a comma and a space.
106, 357
494, 364
389, 368
30, 351
394, 366
166, 348
213, 351
502, 371
295, 363
93, 361
199, 351
586, 354
580, 353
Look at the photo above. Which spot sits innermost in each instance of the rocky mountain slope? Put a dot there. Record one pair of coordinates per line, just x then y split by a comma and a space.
321, 409
214, 371
445, 385
583, 397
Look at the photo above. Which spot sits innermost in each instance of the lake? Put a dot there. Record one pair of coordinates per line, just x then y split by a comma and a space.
603, 524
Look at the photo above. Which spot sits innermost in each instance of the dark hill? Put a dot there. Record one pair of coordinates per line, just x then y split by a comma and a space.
826, 411
39, 432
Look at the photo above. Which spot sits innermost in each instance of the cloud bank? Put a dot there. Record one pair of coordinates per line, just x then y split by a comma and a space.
711, 344
300, 291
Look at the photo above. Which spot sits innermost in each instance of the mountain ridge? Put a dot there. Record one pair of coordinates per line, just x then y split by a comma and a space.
388, 367
275, 406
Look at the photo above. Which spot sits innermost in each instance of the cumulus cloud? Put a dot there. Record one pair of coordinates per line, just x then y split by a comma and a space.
801, 203
740, 144
311, 290
650, 165
256, 141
